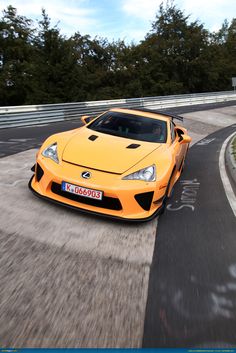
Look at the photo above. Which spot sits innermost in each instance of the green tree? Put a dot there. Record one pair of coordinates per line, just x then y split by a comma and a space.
231, 47
40, 65
15, 53
54, 65
222, 53
174, 52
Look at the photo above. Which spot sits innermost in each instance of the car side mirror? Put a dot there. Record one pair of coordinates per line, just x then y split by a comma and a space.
185, 139
86, 119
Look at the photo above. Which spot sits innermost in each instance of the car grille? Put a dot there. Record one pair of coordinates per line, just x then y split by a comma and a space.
110, 203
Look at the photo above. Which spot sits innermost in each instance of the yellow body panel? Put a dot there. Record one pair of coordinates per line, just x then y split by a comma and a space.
108, 160
108, 153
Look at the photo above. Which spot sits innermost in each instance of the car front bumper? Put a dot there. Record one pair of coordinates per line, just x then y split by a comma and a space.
132, 200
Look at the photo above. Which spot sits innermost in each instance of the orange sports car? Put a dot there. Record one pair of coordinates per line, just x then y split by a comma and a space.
122, 164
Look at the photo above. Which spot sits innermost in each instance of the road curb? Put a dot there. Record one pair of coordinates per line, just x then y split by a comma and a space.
230, 161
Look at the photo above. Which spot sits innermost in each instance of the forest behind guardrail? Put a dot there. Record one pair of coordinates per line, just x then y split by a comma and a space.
39, 65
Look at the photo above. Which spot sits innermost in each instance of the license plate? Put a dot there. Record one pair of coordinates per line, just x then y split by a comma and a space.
79, 190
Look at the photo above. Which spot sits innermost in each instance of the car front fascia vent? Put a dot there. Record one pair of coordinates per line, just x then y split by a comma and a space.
145, 200
39, 172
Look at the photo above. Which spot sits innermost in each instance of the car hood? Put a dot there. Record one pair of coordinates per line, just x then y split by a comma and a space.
95, 150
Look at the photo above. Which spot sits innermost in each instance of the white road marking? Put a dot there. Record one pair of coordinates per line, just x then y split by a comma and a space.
224, 177
232, 270
6, 142
205, 142
30, 126
21, 140
188, 196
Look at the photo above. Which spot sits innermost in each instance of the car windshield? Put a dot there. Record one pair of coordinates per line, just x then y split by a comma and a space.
130, 126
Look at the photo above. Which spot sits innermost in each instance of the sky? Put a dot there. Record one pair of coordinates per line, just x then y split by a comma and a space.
129, 20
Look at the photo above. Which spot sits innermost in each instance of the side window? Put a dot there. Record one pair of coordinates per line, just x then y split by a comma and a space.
172, 131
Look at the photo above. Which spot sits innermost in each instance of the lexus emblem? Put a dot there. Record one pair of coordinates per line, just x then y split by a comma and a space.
86, 175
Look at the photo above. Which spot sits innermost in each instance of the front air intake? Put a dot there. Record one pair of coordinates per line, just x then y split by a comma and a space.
39, 172
145, 200
111, 203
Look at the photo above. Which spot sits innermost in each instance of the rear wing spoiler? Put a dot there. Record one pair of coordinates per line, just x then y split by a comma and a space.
170, 115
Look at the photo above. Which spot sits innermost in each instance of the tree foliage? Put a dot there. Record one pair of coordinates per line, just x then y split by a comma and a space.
39, 65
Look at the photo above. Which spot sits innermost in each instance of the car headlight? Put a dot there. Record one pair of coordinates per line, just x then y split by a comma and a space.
146, 174
51, 152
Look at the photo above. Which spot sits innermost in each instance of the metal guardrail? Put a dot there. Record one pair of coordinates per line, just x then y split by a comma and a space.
26, 115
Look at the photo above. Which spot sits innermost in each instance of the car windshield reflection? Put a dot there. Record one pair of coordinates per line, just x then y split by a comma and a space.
131, 126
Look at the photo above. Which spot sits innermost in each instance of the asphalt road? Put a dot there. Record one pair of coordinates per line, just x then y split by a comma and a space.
192, 286
75, 280
15, 140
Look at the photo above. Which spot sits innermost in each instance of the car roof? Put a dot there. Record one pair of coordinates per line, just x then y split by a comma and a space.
155, 114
